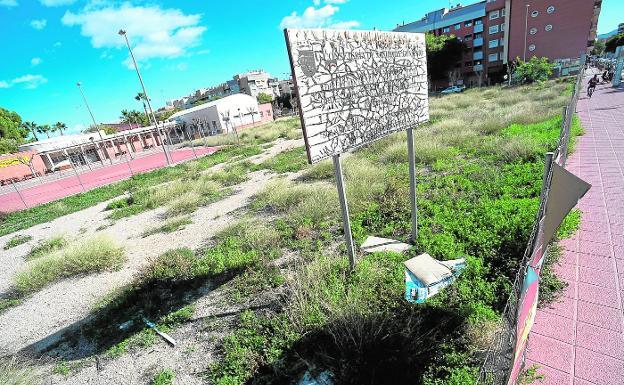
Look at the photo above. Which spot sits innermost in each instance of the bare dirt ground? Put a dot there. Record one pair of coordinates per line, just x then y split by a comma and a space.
42, 318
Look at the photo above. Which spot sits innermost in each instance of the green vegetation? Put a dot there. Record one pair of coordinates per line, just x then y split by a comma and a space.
534, 70
13, 372
288, 161
613, 42
164, 377
264, 98
46, 247
26, 218
442, 53
62, 368
171, 225
86, 257
17, 240
480, 164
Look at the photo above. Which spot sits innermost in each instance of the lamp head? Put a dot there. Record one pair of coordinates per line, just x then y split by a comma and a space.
121, 32
78, 84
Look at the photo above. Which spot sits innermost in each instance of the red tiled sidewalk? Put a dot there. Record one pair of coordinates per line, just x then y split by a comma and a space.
580, 339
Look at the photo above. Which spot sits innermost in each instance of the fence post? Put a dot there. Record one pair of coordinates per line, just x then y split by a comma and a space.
346, 223
547, 166
412, 174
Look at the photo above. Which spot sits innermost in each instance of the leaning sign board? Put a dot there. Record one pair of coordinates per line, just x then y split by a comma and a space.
355, 87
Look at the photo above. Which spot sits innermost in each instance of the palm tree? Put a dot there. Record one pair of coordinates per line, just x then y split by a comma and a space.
59, 126
31, 127
44, 129
140, 97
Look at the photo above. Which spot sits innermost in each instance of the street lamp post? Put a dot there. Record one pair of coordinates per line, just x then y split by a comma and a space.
79, 84
526, 31
149, 105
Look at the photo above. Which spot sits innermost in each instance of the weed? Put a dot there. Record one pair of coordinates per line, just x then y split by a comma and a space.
164, 377
46, 247
14, 372
62, 368
530, 375
171, 225
288, 161
94, 255
17, 240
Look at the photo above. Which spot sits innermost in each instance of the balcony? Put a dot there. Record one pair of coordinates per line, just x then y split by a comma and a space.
477, 42
477, 67
478, 28
477, 56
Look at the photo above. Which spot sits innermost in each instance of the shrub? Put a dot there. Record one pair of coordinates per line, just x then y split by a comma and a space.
164, 377
534, 70
173, 265
171, 225
13, 372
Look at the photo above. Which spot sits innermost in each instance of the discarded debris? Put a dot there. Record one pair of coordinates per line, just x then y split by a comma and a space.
323, 378
426, 276
165, 336
377, 245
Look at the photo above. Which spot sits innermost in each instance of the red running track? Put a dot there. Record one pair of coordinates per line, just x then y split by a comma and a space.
70, 185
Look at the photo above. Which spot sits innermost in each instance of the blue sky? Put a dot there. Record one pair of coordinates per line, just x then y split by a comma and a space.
49, 45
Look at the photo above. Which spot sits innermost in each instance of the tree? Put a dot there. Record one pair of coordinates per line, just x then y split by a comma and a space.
599, 47
11, 125
45, 129
8, 146
60, 127
534, 70
443, 53
31, 127
264, 98
613, 42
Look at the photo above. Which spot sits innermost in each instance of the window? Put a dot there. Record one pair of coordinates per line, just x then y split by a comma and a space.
478, 22
502, 27
468, 37
535, 14
503, 12
468, 24
478, 36
446, 29
533, 31
532, 47
493, 57
548, 28
550, 9
502, 42
493, 43
457, 26
493, 29
494, 15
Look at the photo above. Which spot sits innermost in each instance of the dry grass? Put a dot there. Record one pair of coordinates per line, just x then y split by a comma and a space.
86, 257
13, 372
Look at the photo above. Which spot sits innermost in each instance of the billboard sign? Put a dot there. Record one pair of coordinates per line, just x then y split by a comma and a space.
355, 87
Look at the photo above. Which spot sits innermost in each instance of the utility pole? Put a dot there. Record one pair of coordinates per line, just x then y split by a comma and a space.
97, 126
147, 99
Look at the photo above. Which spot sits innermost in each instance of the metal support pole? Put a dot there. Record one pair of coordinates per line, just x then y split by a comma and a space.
346, 223
128, 163
190, 142
76, 172
567, 123
547, 165
412, 173
19, 194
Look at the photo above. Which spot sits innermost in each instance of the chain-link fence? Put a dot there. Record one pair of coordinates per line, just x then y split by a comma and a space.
508, 347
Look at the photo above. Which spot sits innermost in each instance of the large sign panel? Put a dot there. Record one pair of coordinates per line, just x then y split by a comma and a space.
355, 87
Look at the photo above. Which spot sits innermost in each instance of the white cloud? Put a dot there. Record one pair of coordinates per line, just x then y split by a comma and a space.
317, 18
318, 2
57, 44
28, 81
56, 3
35, 61
154, 32
38, 24
8, 4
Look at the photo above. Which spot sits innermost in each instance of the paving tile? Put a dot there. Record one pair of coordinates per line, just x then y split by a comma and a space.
598, 368
598, 295
554, 326
565, 271
600, 315
595, 248
604, 278
550, 352
595, 261
595, 236
600, 340
568, 257
577, 381
564, 306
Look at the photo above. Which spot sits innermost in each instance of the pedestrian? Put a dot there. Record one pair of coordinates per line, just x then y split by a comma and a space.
593, 82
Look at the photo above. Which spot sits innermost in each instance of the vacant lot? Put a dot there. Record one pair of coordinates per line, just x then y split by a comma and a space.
240, 258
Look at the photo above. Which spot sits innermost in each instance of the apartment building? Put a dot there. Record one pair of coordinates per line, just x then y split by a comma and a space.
497, 32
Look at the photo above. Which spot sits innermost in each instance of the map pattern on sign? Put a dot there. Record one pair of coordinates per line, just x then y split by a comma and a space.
357, 86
